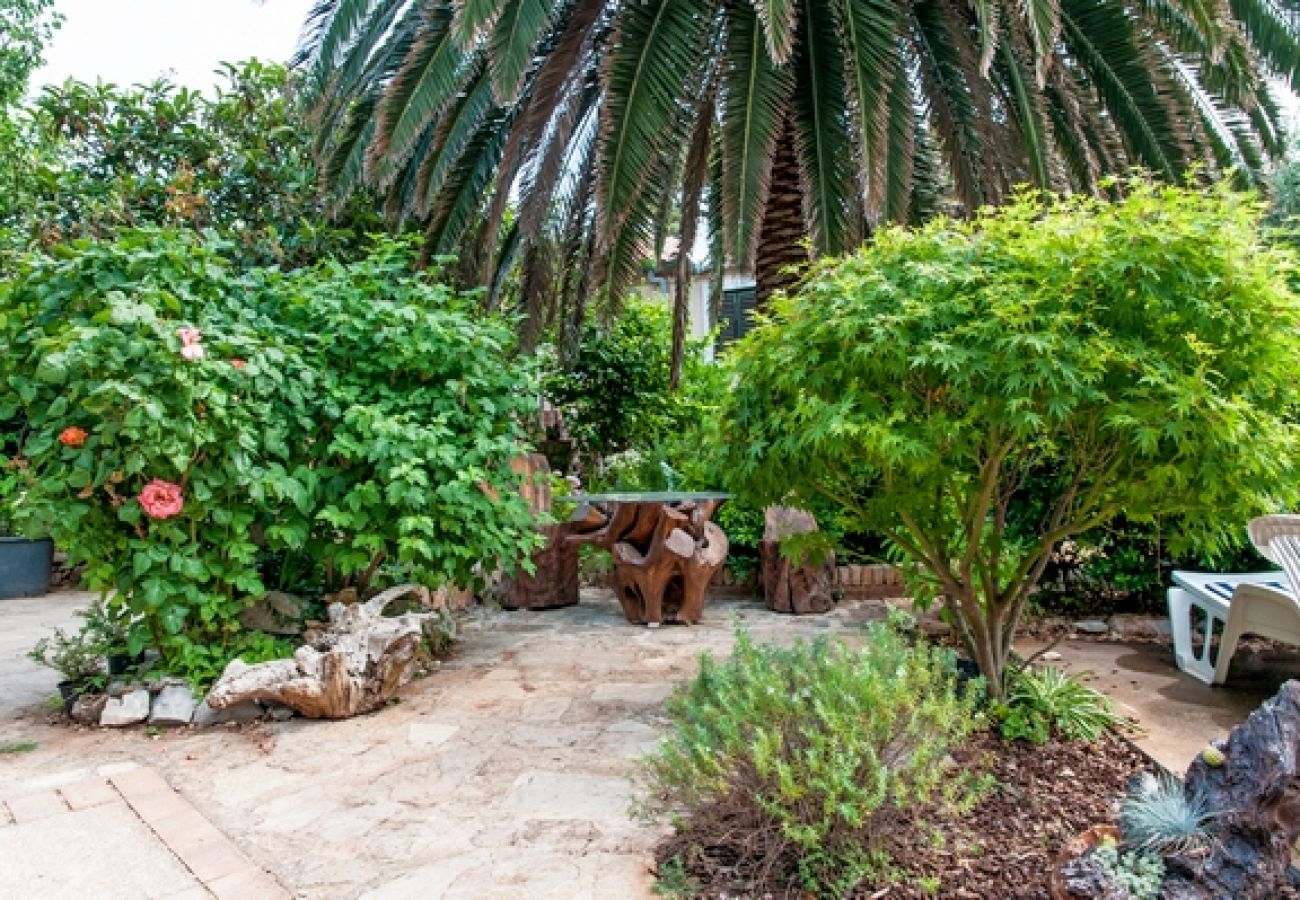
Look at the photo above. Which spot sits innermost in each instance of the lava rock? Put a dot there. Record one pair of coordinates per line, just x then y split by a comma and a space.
1084, 876
128, 709
1255, 795
174, 705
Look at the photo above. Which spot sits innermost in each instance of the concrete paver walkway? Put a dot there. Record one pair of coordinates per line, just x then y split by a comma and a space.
503, 775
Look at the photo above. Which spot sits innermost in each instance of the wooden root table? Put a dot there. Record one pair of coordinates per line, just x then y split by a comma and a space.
665, 549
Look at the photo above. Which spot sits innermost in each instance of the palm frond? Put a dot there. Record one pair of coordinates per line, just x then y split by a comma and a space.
821, 112
756, 91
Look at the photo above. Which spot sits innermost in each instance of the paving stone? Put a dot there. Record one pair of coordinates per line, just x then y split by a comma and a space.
128, 709
88, 793
102, 853
174, 705
207, 852
31, 807
553, 795
242, 713
632, 692
544, 709
430, 734
249, 884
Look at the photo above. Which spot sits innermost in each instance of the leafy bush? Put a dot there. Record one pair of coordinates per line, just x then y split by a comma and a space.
77, 656
1047, 701
1162, 817
1138, 355
184, 422
98, 159
800, 760
614, 391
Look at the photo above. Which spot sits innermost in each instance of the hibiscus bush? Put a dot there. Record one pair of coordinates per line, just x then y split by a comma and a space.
188, 427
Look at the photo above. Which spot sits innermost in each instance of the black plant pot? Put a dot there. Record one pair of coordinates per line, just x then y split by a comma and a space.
120, 663
25, 566
70, 691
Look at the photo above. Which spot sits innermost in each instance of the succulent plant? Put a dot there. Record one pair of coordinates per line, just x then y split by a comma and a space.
1161, 816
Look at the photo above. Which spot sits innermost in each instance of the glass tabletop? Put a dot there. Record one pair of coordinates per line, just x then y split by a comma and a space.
646, 497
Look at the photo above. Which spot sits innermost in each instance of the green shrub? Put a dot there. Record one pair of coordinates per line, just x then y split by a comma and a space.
1135, 357
184, 423
614, 391
800, 760
1048, 701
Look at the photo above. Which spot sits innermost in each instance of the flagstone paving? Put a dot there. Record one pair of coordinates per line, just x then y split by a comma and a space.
505, 774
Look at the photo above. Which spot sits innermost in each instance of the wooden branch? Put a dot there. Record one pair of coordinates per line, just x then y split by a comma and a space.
353, 666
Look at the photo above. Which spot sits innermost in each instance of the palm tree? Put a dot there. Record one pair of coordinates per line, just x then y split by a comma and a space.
563, 135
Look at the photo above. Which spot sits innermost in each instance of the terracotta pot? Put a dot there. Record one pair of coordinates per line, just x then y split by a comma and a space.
1074, 848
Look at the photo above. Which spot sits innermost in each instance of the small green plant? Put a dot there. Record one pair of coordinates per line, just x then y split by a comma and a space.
929, 884
107, 624
1138, 872
77, 656
673, 880
798, 760
20, 747
1163, 818
1039, 703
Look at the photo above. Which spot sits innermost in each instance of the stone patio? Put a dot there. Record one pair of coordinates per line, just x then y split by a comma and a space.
503, 775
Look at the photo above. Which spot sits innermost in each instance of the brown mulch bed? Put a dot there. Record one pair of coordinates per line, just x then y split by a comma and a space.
1004, 848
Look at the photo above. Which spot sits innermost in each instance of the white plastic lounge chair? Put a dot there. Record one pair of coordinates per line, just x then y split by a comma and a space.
1262, 603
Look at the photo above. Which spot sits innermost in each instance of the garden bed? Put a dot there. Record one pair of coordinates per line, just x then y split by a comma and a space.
1004, 848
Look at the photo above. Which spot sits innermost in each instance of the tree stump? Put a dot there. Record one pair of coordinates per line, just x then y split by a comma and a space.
790, 586
554, 582
352, 666
664, 554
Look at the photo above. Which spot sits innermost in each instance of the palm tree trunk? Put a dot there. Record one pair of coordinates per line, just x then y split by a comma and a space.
781, 239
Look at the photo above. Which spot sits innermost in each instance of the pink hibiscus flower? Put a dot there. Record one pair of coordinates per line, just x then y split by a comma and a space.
161, 499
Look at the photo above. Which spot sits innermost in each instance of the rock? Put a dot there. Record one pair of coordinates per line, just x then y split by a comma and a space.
1085, 877
128, 709
1051, 656
241, 713
1135, 627
1255, 796
174, 705
87, 708
276, 613
1092, 626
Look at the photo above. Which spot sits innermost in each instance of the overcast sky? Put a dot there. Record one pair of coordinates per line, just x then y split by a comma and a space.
130, 41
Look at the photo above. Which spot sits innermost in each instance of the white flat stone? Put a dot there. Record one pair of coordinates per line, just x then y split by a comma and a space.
430, 734
128, 709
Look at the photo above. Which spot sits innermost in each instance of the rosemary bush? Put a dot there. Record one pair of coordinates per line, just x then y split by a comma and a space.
799, 760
